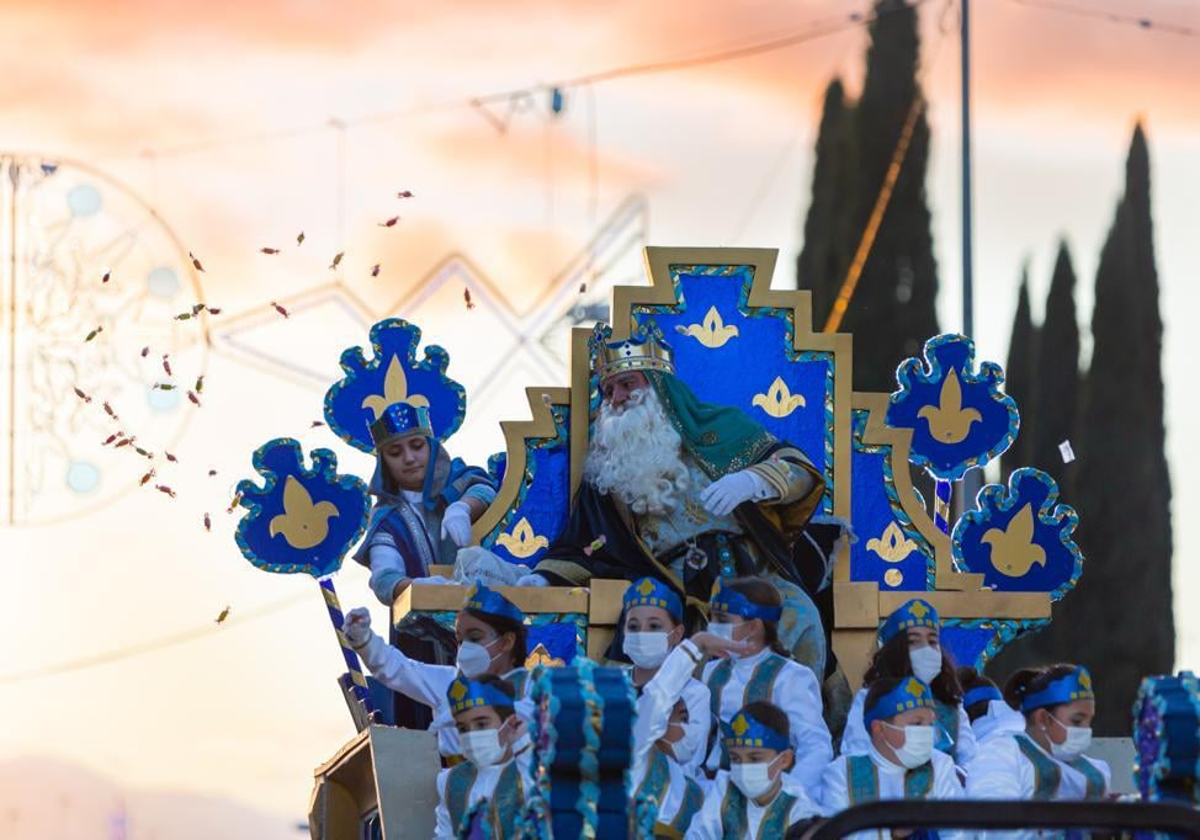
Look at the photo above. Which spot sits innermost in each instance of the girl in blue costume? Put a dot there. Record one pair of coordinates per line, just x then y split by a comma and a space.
1046, 760
990, 715
910, 646
425, 502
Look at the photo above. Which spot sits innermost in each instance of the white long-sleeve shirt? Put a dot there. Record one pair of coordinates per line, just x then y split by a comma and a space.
485, 784
835, 790
1001, 720
857, 741
426, 684
707, 824
795, 691
672, 681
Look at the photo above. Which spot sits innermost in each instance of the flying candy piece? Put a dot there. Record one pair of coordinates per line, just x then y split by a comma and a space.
145, 352
300, 238
200, 383
107, 275
184, 316
123, 442
162, 488
82, 396
171, 457
582, 288
375, 270
237, 500
224, 615
166, 365
111, 438
146, 479
195, 261
211, 473
595, 545
212, 311
207, 522
316, 424
197, 308
108, 409
280, 310
337, 260
1067, 453
194, 399
144, 453
269, 251
467, 298
404, 194
390, 222
49, 169
163, 386
93, 334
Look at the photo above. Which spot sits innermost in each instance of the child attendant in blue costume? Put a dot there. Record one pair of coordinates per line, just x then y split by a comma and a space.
910, 646
989, 713
485, 795
757, 798
492, 638
1046, 761
748, 610
425, 502
901, 762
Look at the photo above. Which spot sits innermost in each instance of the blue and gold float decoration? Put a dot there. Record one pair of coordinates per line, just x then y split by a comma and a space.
1020, 539
393, 375
303, 521
960, 419
1166, 717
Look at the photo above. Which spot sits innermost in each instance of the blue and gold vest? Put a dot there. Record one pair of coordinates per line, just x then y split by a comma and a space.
1046, 773
862, 780
655, 784
947, 731
758, 688
734, 821
500, 812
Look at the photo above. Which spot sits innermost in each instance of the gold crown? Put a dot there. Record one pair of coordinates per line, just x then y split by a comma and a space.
644, 350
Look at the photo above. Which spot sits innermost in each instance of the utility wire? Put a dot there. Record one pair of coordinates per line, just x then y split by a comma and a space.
1112, 17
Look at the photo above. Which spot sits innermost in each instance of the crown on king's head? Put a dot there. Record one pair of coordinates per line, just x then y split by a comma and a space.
400, 420
645, 349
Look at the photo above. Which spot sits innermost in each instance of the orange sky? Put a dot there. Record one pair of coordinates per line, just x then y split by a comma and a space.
722, 155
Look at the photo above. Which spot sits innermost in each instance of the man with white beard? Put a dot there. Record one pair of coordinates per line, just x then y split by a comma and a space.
690, 493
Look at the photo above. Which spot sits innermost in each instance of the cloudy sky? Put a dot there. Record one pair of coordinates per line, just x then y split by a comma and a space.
222, 121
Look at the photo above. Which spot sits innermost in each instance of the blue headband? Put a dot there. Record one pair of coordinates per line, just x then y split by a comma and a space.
727, 600
911, 693
915, 613
465, 694
1076, 685
745, 731
493, 603
980, 694
649, 592
400, 420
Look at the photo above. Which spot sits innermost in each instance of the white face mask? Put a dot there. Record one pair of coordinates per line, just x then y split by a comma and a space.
721, 629
918, 745
1079, 738
473, 659
647, 650
926, 663
753, 780
482, 747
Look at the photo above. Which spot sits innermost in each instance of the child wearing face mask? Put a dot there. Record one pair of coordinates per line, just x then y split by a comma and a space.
486, 792
491, 640
991, 717
748, 610
901, 763
910, 646
652, 625
757, 797
1045, 761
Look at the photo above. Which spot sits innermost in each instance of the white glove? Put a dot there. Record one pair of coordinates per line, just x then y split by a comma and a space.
727, 492
532, 580
357, 628
456, 523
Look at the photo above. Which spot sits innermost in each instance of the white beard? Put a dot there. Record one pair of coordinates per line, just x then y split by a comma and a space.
635, 455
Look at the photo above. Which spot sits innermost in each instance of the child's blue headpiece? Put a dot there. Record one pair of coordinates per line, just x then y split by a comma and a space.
915, 613
735, 603
649, 592
745, 731
493, 603
465, 694
981, 694
911, 693
400, 420
1068, 688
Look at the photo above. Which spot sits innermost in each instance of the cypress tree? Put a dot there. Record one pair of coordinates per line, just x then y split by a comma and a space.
1019, 379
825, 256
1057, 388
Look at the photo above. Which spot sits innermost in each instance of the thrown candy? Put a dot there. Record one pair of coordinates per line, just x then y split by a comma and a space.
111, 438
595, 545
467, 298
1067, 453
300, 238
108, 409
280, 309
582, 288
337, 260
195, 262
316, 424
224, 615
237, 500
193, 398
123, 442
390, 222
171, 457
145, 352
404, 194
162, 488
166, 364
211, 473
199, 383
163, 386
106, 276
82, 396
143, 453
375, 270
212, 311
146, 479
269, 251
94, 333
207, 522
183, 316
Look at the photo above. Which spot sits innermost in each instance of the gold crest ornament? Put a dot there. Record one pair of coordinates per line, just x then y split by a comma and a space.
949, 422
303, 524
739, 725
779, 401
1014, 552
522, 542
395, 390
712, 332
892, 546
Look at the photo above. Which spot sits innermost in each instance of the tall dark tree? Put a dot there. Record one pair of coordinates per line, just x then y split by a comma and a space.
1058, 381
825, 256
1019, 382
1119, 620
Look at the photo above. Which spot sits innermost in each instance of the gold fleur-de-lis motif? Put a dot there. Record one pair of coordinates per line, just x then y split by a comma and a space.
1014, 552
711, 332
739, 725
779, 401
395, 390
459, 690
540, 656
302, 523
892, 546
914, 688
522, 542
948, 421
